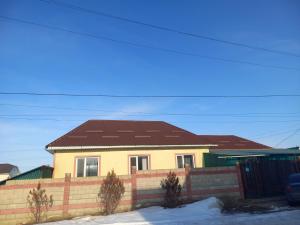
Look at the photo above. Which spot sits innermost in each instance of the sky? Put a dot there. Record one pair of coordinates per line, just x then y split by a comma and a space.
41, 60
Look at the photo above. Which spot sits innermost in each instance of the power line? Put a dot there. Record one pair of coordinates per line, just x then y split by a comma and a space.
168, 50
273, 134
147, 96
204, 121
137, 113
38, 119
150, 114
157, 27
288, 137
147, 113
20, 150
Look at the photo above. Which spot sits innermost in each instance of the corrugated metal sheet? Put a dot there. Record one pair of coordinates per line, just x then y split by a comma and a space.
266, 152
219, 160
37, 173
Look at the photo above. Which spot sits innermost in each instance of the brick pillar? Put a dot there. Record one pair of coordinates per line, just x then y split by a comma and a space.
66, 194
133, 187
240, 181
188, 181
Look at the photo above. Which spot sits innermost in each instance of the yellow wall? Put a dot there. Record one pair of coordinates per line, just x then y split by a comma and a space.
4, 176
64, 162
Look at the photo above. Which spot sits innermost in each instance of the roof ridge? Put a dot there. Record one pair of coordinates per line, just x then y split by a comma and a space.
91, 120
228, 135
180, 128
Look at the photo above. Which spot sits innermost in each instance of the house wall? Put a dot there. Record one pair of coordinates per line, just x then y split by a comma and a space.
64, 162
14, 172
78, 196
4, 176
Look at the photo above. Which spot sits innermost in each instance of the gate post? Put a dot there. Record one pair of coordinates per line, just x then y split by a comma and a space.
66, 194
240, 180
133, 187
188, 181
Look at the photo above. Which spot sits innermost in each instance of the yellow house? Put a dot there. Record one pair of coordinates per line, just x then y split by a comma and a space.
97, 146
8, 171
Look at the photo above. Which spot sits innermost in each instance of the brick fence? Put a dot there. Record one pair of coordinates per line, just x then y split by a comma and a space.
78, 196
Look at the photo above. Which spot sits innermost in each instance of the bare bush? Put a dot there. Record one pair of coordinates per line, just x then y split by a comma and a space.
173, 190
39, 203
111, 192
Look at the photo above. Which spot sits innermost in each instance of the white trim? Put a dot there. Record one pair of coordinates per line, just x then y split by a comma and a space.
137, 162
182, 157
121, 146
84, 165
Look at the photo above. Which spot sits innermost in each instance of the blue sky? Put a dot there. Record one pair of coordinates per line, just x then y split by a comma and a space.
34, 59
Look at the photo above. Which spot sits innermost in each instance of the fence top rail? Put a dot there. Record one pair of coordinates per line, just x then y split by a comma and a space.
162, 172
214, 168
34, 181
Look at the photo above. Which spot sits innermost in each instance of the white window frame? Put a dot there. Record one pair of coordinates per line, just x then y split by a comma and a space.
136, 161
182, 156
84, 165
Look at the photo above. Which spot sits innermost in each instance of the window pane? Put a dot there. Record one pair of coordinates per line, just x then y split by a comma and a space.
145, 162
80, 167
188, 159
91, 167
142, 163
133, 162
179, 161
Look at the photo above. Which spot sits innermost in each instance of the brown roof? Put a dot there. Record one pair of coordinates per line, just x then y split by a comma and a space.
125, 133
131, 133
230, 142
6, 168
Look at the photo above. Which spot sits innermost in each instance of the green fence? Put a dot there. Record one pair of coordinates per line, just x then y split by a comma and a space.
219, 160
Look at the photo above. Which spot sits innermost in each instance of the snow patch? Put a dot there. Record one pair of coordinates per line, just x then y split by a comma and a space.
207, 211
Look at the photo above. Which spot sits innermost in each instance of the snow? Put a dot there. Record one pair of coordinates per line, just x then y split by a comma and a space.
205, 212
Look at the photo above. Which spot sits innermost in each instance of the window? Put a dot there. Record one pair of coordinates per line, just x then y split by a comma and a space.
185, 159
140, 162
87, 167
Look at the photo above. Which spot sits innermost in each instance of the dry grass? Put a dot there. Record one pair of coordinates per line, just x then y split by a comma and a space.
234, 205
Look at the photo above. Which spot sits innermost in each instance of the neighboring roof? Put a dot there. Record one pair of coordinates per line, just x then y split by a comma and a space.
6, 168
36, 173
256, 152
230, 142
125, 133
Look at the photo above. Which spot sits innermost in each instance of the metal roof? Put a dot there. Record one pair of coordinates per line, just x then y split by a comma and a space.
256, 152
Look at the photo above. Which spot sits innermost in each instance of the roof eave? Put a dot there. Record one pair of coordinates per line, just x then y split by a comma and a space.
51, 149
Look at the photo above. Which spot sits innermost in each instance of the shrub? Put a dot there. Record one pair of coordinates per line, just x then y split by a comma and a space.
173, 190
111, 192
39, 203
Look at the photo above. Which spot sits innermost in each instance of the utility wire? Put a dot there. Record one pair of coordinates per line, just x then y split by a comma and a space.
271, 134
19, 150
288, 137
37, 119
147, 96
145, 113
157, 27
150, 114
168, 50
204, 121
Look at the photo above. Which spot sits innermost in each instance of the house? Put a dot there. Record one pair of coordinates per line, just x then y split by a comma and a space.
230, 157
8, 171
97, 146
230, 150
229, 142
40, 172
